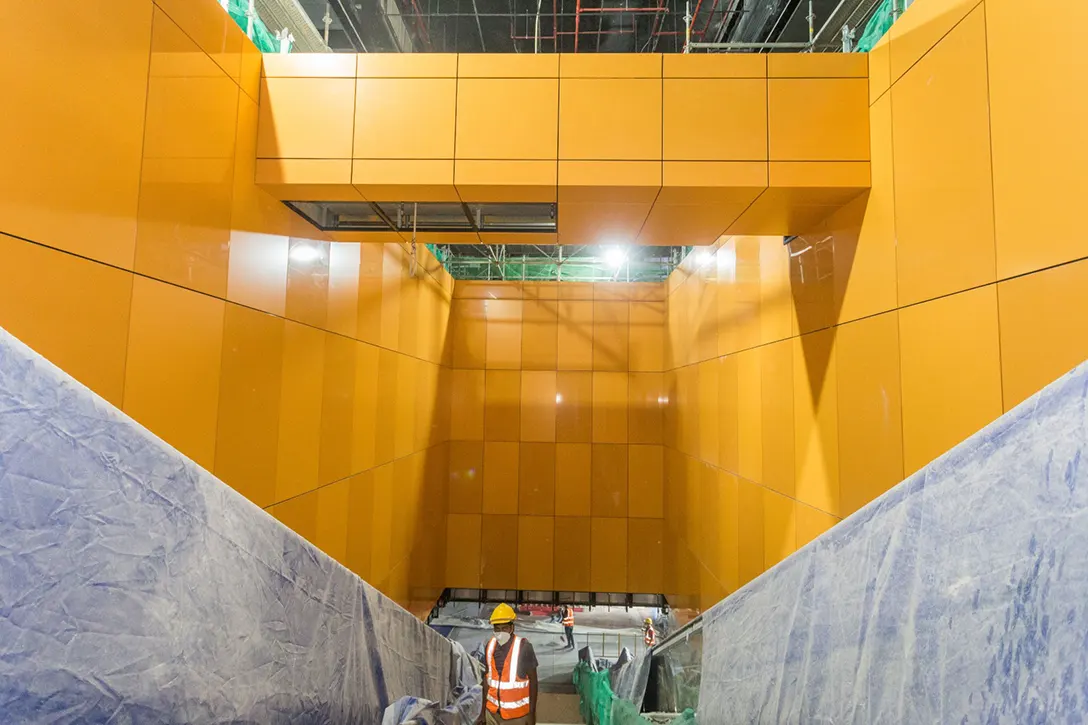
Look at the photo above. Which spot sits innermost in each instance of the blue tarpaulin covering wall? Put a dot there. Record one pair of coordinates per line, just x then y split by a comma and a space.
137, 588
960, 596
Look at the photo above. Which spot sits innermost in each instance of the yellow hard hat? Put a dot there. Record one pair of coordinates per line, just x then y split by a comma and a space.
503, 614
647, 621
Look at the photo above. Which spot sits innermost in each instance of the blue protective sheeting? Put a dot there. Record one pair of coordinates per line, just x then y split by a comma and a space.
960, 596
137, 588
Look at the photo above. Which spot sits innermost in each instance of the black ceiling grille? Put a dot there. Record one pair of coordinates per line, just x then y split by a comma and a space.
406, 216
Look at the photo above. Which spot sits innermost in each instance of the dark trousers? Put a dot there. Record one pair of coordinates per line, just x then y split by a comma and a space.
570, 636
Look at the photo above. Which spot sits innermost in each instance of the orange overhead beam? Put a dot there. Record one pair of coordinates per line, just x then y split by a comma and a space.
645, 149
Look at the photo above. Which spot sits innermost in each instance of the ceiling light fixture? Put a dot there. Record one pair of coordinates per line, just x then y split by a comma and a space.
615, 256
304, 253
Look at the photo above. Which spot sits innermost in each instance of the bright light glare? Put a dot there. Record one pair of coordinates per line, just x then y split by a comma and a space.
558, 398
615, 256
703, 256
304, 253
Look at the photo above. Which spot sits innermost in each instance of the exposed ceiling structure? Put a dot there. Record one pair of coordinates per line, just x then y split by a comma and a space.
550, 26
568, 26
572, 263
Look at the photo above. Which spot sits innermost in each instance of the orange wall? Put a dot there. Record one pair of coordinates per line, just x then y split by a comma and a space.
556, 457
137, 253
806, 380
640, 148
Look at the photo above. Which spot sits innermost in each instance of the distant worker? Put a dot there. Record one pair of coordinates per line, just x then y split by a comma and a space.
511, 685
568, 625
649, 636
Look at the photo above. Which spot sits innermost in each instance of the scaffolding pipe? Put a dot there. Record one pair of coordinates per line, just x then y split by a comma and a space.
811, 19
828, 22
746, 46
687, 26
536, 41
577, 21
479, 27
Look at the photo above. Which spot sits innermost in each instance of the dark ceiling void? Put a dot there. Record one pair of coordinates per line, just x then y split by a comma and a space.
583, 26
406, 216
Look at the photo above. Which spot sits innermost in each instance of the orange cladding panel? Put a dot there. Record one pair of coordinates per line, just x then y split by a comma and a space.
301, 389
609, 480
538, 406
814, 119
507, 118
288, 127
608, 549
1041, 339
499, 552
500, 478
247, 432
944, 222
646, 471
463, 533
71, 310
610, 119
537, 552
645, 556
73, 182
922, 27
1038, 186
172, 372
536, 484
708, 119
573, 465
817, 65
951, 371
405, 118
572, 561
870, 409
502, 407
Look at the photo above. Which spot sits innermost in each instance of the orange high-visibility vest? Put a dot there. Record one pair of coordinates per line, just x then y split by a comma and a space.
649, 637
507, 697
568, 618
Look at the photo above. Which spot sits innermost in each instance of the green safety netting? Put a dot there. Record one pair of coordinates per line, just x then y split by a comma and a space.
258, 32
600, 706
878, 24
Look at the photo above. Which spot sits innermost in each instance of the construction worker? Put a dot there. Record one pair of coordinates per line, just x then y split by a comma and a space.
568, 625
510, 685
649, 636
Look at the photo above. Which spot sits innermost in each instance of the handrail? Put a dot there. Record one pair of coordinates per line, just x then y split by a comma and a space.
680, 635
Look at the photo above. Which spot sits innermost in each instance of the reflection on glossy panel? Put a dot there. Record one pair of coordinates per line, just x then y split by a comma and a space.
303, 370
646, 471
572, 560
43, 302
573, 465
499, 552
951, 372
536, 479
249, 403
500, 490
1041, 337
944, 222
869, 406
816, 422
172, 372
645, 556
609, 480
609, 555
93, 211
536, 557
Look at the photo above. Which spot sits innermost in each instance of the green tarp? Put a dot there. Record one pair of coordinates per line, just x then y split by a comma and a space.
264, 39
878, 24
600, 706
